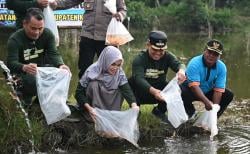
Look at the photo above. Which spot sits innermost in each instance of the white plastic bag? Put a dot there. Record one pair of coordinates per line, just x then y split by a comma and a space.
121, 124
111, 5
117, 34
50, 22
52, 89
172, 96
208, 120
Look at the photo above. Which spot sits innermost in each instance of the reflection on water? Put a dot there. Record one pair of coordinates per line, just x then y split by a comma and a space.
233, 136
230, 140
197, 144
237, 139
234, 125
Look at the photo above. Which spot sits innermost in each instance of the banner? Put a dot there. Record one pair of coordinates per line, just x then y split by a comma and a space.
64, 18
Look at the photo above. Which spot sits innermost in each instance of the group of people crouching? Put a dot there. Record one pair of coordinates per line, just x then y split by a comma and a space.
104, 83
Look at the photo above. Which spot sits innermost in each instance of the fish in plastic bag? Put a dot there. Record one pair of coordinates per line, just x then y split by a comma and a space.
52, 90
117, 34
122, 124
175, 108
208, 120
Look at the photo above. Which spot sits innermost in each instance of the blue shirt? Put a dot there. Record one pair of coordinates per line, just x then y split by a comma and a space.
207, 78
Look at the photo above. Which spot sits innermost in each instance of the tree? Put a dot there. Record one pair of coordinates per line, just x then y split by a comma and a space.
211, 6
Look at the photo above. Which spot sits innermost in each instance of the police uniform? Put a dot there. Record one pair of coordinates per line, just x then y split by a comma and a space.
96, 19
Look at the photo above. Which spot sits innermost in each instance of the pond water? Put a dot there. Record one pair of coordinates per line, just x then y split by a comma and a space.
234, 132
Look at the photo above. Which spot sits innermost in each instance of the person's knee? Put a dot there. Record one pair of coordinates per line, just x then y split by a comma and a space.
228, 96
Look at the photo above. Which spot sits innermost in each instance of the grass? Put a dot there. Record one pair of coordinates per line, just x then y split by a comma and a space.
146, 119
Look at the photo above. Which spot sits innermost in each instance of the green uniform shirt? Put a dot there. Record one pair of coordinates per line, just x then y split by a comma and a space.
22, 50
147, 72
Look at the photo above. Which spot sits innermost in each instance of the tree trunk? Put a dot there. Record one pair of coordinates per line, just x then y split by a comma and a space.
248, 43
209, 25
210, 29
212, 4
157, 3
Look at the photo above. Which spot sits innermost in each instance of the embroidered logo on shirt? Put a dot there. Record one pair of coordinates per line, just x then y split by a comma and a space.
32, 53
153, 73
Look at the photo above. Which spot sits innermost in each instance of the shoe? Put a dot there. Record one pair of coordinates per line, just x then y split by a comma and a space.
162, 116
73, 107
26, 102
71, 119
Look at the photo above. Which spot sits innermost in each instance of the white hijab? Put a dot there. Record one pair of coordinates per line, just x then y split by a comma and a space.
99, 70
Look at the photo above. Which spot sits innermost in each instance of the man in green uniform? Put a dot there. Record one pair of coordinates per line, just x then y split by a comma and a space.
149, 70
29, 47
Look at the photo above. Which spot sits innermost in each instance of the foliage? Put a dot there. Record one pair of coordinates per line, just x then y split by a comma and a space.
242, 7
139, 14
148, 3
186, 15
189, 14
222, 18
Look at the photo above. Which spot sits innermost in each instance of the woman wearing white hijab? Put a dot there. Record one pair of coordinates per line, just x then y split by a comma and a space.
104, 84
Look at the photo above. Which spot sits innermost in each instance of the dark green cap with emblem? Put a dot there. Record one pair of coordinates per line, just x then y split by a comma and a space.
215, 45
158, 40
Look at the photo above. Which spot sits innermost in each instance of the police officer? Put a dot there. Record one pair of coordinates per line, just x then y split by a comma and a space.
94, 27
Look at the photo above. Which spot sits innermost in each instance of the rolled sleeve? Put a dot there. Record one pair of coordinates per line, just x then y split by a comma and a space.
193, 84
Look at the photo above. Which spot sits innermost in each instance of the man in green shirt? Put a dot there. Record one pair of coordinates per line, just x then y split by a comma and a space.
29, 47
149, 71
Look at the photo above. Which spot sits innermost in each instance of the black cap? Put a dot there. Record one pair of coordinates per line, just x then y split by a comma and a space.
215, 45
158, 40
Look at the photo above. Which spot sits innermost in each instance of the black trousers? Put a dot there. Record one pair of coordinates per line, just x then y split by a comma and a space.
87, 50
188, 97
144, 97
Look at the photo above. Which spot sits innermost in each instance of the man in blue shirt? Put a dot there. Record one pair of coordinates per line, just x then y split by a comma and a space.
206, 80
